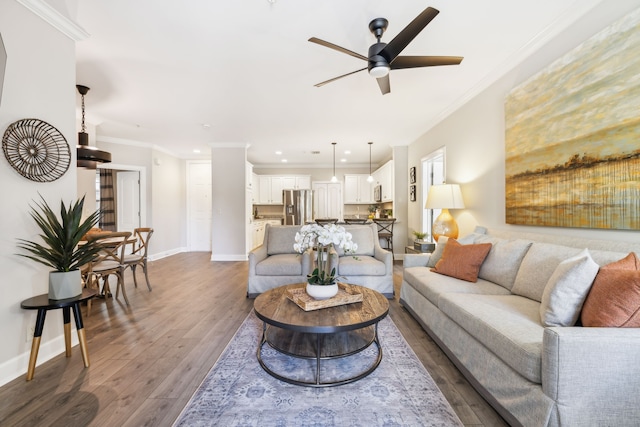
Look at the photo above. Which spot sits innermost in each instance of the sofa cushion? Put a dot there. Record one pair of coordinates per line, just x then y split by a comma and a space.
280, 265
614, 299
363, 237
462, 261
503, 261
508, 325
567, 289
537, 266
361, 266
280, 239
431, 285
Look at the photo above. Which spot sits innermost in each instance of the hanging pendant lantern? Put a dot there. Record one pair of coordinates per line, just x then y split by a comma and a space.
88, 156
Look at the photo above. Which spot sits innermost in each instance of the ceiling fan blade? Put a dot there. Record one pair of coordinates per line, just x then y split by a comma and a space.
338, 48
339, 77
385, 85
424, 61
399, 42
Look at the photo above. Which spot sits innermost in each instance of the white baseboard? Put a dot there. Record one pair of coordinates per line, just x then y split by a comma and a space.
17, 367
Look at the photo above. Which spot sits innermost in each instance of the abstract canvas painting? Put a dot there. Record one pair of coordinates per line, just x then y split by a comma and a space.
573, 136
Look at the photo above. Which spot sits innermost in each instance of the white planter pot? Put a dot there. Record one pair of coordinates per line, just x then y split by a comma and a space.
321, 292
64, 284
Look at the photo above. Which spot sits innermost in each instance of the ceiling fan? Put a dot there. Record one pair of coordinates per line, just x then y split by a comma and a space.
383, 57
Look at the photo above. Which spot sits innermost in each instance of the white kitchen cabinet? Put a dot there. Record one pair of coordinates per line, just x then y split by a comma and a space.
383, 176
269, 187
357, 190
302, 182
270, 191
327, 200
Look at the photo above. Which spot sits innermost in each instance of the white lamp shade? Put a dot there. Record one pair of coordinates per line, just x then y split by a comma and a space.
444, 196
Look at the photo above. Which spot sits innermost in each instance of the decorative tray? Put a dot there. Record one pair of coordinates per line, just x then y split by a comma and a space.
346, 295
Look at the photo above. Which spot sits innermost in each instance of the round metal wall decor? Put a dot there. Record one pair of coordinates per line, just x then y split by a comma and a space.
37, 150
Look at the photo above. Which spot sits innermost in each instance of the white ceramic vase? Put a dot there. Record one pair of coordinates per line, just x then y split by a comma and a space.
320, 292
64, 284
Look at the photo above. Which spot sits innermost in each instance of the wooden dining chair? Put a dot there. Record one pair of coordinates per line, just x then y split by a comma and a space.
139, 256
110, 261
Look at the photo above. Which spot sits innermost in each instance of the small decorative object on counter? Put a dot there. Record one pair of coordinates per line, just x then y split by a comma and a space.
322, 239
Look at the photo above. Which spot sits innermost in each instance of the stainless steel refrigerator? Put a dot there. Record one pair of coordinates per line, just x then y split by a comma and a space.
298, 206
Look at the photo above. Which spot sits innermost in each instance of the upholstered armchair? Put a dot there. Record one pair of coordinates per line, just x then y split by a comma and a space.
275, 262
370, 266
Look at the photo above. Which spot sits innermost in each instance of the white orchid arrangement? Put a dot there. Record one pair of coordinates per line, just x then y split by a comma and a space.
322, 238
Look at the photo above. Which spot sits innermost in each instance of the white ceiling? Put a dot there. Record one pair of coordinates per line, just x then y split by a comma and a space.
160, 70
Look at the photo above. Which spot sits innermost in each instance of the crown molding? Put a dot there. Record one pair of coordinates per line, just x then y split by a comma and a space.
54, 18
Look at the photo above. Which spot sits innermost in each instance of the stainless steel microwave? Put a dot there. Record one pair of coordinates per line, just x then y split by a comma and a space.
377, 193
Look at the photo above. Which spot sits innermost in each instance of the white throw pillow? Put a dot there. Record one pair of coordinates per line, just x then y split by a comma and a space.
567, 290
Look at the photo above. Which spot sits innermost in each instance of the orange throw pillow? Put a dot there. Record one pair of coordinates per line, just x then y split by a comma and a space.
614, 299
462, 261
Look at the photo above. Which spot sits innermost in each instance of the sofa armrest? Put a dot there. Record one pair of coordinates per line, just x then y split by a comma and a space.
255, 256
592, 369
384, 256
415, 260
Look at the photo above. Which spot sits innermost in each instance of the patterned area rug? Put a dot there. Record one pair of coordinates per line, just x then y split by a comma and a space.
238, 392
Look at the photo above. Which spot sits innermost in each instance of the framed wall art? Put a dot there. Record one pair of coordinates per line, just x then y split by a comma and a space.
412, 193
572, 133
412, 175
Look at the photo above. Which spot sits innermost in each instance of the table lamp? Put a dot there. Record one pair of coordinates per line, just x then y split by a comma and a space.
445, 197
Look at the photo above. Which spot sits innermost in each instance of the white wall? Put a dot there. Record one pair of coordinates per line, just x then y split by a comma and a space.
165, 191
230, 213
168, 204
475, 142
39, 83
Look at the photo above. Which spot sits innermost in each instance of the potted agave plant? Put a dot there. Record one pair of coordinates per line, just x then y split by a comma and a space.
60, 249
322, 284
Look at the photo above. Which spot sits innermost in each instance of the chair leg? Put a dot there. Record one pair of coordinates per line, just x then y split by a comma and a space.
121, 286
146, 274
133, 271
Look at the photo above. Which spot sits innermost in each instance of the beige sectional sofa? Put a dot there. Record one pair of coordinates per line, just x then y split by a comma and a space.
534, 375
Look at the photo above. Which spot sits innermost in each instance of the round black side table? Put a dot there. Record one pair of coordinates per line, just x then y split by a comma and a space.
42, 303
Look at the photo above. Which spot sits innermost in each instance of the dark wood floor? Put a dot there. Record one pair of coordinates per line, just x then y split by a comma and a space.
147, 359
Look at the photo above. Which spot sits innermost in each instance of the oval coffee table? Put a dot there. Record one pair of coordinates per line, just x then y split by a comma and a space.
322, 334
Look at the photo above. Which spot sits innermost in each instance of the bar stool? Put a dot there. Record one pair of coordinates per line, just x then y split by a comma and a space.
385, 230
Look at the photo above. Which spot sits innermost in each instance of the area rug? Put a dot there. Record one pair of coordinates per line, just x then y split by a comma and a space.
238, 392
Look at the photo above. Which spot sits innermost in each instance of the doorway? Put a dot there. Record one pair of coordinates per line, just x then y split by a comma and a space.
130, 195
433, 173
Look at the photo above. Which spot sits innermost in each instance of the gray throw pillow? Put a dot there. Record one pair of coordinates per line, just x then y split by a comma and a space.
567, 290
437, 254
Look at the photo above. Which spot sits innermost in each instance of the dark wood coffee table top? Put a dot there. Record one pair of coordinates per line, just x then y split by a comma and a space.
274, 308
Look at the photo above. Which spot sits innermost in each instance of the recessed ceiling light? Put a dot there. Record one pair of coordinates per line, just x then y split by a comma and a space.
279, 153
206, 126
347, 151
284, 160
196, 151
343, 160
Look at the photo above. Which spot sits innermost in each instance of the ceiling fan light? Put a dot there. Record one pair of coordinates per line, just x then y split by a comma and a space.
370, 178
379, 71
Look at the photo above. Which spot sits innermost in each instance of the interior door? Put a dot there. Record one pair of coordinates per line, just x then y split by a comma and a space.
199, 205
128, 204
